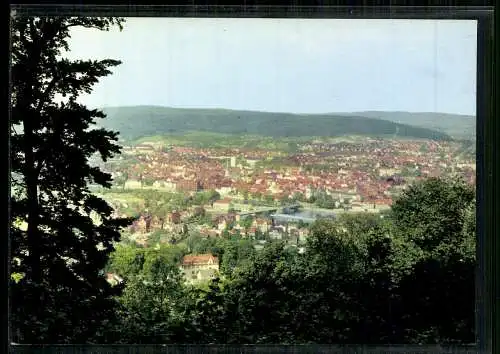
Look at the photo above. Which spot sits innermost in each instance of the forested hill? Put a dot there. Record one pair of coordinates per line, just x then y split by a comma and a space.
138, 121
456, 125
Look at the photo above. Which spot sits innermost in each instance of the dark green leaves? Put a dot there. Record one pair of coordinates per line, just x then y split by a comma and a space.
432, 213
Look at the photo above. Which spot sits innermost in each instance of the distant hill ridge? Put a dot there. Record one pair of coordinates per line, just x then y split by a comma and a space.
134, 122
458, 126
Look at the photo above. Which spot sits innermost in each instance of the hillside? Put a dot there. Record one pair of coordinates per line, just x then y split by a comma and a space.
456, 125
138, 121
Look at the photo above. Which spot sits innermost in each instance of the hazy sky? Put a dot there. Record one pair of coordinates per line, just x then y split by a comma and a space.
287, 65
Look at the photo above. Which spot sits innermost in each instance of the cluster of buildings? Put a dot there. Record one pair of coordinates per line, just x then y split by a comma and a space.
367, 173
220, 221
370, 171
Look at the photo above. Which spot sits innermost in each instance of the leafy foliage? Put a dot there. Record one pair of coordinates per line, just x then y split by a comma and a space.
362, 279
432, 214
151, 298
438, 218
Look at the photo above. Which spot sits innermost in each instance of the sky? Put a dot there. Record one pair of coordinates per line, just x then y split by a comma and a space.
286, 65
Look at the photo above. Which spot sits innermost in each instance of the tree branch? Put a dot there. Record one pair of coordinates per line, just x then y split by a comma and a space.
46, 94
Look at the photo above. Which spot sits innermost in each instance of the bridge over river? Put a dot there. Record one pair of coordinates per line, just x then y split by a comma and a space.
265, 210
288, 213
292, 218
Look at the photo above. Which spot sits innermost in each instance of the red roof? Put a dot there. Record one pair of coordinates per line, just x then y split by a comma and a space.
202, 259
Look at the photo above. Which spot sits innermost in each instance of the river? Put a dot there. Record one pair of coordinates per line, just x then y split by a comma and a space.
305, 215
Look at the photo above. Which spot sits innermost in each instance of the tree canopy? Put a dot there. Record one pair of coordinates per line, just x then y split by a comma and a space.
362, 279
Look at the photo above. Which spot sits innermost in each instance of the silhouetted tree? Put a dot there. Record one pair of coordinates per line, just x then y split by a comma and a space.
63, 295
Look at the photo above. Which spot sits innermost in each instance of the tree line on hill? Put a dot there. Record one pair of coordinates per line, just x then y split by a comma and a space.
404, 278
140, 121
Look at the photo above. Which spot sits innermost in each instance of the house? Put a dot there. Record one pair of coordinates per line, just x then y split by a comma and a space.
275, 234
261, 224
223, 203
144, 147
132, 184
222, 224
198, 268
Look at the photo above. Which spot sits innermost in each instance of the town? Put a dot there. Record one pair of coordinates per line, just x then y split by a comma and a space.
175, 191
179, 183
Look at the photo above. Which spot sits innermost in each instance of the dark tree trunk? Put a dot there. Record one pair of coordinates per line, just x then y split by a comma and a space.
31, 178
